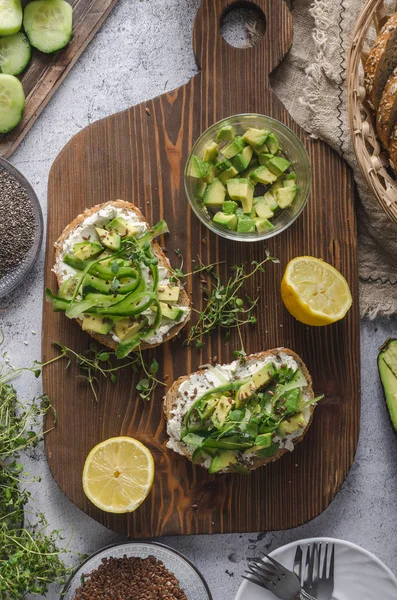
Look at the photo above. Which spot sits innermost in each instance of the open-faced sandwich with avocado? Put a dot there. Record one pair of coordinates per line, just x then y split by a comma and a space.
240, 416
116, 281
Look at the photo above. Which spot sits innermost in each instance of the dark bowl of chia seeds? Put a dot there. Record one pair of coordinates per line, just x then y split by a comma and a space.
136, 571
21, 227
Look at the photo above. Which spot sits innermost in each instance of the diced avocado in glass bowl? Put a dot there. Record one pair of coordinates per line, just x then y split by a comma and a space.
248, 177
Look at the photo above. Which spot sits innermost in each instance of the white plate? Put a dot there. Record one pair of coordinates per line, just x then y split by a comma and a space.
359, 575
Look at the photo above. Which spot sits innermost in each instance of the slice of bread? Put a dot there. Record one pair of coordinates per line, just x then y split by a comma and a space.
173, 401
381, 61
107, 340
386, 115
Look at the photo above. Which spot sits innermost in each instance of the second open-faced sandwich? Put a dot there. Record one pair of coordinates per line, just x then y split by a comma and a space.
240, 416
116, 280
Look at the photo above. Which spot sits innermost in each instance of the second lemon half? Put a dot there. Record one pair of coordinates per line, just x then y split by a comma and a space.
314, 292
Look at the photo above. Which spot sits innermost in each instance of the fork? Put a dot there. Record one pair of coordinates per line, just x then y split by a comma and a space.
274, 577
313, 579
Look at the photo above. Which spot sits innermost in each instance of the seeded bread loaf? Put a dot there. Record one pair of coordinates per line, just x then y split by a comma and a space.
386, 115
107, 340
173, 400
381, 62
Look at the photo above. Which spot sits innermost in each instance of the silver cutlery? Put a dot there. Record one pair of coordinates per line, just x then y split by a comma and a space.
274, 577
316, 576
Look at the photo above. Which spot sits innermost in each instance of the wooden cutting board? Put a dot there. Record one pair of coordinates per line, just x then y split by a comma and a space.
139, 155
46, 72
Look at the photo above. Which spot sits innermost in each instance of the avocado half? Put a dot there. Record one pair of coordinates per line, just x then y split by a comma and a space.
387, 365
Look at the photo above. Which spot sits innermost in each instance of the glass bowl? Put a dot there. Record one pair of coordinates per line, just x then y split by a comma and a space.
190, 579
291, 147
11, 280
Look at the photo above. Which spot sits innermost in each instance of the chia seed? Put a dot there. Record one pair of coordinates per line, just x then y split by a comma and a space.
17, 223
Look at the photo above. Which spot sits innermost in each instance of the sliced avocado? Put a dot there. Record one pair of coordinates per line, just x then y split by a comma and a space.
289, 182
267, 452
223, 165
206, 409
244, 393
264, 375
256, 137
264, 158
387, 365
168, 293
229, 207
262, 150
241, 160
198, 168
276, 186
272, 143
233, 186
68, 288
221, 411
286, 195
211, 152
262, 441
200, 455
97, 324
278, 165
86, 250
210, 174
175, 313
270, 200
263, 225
246, 194
126, 328
226, 134
228, 221
290, 176
262, 208
235, 147
200, 189
246, 225
263, 175
291, 424
109, 239
122, 227
228, 174
222, 460
215, 194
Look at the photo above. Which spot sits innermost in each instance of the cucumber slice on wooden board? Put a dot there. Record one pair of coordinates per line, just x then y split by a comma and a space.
48, 24
10, 16
12, 102
15, 53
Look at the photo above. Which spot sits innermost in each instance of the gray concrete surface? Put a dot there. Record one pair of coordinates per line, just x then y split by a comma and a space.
143, 50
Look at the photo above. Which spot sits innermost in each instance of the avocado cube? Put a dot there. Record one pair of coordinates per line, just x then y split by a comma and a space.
221, 412
278, 165
286, 195
289, 182
262, 208
211, 152
244, 393
229, 207
233, 186
250, 169
168, 293
263, 376
122, 227
226, 134
97, 324
235, 147
198, 168
263, 225
126, 328
262, 150
256, 137
84, 250
246, 194
291, 424
223, 165
175, 313
215, 193
109, 239
276, 186
229, 221
263, 175
241, 161
211, 173
228, 174
290, 176
222, 460
246, 225
272, 143
200, 189
264, 158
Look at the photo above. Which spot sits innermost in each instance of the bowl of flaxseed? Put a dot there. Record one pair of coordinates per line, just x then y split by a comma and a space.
21, 227
137, 571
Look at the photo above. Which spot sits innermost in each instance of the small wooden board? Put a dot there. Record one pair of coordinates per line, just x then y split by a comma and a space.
139, 155
46, 72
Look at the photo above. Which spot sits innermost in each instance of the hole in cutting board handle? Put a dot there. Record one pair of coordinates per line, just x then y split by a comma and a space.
243, 24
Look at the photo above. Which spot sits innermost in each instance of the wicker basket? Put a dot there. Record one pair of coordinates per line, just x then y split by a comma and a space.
372, 159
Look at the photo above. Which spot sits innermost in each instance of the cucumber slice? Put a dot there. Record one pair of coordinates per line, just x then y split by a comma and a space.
12, 102
48, 24
10, 16
15, 53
